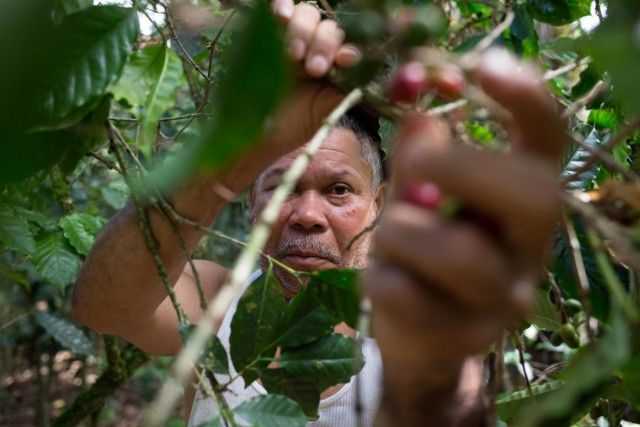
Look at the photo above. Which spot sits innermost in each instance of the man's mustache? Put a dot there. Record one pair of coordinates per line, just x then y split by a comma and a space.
308, 246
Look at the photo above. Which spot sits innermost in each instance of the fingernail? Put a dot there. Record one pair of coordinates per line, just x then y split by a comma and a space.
317, 65
285, 10
296, 48
349, 56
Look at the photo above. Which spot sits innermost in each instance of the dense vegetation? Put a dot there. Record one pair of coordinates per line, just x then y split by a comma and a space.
95, 112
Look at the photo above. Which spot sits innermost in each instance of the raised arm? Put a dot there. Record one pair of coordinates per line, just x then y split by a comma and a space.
119, 291
443, 289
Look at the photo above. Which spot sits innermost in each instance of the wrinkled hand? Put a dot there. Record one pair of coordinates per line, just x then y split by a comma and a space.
317, 44
445, 289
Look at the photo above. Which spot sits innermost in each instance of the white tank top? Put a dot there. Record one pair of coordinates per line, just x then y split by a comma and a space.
338, 410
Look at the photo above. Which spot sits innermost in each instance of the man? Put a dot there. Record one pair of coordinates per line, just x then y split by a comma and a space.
443, 289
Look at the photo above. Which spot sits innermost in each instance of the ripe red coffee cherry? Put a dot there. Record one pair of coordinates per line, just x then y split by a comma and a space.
425, 195
408, 83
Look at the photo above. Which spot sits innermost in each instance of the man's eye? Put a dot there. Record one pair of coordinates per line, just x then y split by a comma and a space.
340, 189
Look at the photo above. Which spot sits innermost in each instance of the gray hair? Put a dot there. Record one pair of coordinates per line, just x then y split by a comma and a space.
368, 148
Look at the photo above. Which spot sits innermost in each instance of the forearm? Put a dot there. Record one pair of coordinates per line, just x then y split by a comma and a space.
119, 282
434, 397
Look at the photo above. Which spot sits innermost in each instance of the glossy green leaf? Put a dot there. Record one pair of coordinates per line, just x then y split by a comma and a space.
339, 292
255, 325
15, 232
303, 390
271, 410
306, 320
559, 12
55, 262
66, 333
166, 71
331, 360
81, 229
92, 47
304, 372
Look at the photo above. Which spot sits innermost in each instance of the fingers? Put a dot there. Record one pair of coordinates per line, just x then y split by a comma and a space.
301, 29
518, 192
401, 304
326, 41
537, 125
283, 9
455, 259
317, 43
347, 55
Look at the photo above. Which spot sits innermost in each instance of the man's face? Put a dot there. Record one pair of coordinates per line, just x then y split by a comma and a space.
333, 201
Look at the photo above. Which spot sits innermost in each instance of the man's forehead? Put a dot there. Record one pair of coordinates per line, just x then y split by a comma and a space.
341, 151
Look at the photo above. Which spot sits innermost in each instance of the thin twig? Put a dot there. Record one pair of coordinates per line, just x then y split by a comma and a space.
597, 90
163, 119
145, 227
212, 389
183, 50
15, 319
552, 74
520, 348
490, 38
580, 271
162, 406
108, 163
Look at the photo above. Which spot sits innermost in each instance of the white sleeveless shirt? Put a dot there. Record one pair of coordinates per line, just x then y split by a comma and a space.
338, 410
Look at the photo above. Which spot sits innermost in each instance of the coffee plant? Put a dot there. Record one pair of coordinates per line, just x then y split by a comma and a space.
96, 112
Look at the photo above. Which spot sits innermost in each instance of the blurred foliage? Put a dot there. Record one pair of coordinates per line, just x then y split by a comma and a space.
83, 78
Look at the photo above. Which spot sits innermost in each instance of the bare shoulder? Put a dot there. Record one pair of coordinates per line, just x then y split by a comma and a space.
210, 274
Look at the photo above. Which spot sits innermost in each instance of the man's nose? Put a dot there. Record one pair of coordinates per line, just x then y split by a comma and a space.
307, 214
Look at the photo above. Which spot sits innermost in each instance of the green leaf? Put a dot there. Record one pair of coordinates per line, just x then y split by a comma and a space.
62, 8
587, 375
53, 260
559, 12
27, 153
509, 404
271, 410
338, 291
92, 47
15, 232
81, 229
66, 333
306, 320
166, 70
258, 51
603, 119
330, 360
255, 325
216, 358
304, 391
615, 50
304, 372
577, 159
545, 315
115, 193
